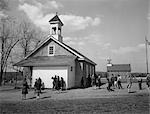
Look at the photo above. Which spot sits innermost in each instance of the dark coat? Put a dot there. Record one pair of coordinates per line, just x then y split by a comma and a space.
38, 85
99, 82
25, 88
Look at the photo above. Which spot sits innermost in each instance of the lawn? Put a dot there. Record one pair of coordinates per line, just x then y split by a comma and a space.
130, 104
77, 101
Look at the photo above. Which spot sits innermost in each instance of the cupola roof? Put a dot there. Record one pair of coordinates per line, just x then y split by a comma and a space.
56, 19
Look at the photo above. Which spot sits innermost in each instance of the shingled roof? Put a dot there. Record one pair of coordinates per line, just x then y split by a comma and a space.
119, 68
46, 61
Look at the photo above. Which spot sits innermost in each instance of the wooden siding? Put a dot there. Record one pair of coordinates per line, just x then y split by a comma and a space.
71, 75
83, 69
78, 73
43, 51
89, 69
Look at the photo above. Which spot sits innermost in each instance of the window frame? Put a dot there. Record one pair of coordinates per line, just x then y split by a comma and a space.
49, 50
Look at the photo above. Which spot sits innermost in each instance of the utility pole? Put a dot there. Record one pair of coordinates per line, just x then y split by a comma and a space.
146, 55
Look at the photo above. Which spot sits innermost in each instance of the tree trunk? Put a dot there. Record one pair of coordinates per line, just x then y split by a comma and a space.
1, 76
2, 57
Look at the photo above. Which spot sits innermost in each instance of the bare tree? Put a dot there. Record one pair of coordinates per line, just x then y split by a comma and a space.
10, 35
8, 38
29, 40
29, 37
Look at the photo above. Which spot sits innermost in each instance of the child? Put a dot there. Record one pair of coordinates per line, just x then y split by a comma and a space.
140, 83
24, 89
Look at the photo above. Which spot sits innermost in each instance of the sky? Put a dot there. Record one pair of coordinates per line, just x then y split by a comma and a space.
99, 29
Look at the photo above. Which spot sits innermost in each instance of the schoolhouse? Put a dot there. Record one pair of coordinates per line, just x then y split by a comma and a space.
53, 57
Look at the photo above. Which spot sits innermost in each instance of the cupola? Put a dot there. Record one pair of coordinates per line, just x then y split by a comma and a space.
56, 28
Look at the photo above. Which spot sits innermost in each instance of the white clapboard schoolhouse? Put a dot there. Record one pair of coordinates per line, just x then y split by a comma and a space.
53, 57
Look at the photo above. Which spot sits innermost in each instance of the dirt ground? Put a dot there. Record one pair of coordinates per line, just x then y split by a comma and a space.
77, 101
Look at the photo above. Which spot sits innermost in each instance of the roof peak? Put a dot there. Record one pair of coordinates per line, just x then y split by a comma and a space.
55, 19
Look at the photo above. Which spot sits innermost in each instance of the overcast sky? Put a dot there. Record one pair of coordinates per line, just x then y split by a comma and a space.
99, 29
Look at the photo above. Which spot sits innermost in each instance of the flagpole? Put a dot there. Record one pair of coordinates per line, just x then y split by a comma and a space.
146, 55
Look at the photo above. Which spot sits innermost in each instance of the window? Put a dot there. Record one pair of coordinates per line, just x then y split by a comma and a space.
59, 31
51, 50
53, 30
71, 68
87, 70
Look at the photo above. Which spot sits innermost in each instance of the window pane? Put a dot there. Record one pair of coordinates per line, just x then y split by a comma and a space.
51, 50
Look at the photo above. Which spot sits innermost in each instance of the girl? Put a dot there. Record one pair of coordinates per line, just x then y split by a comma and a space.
24, 89
129, 81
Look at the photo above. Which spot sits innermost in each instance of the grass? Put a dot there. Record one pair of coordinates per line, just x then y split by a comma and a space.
129, 104
77, 101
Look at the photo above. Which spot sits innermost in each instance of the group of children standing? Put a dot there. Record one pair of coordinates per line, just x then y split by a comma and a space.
37, 88
130, 81
58, 83
115, 82
91, 81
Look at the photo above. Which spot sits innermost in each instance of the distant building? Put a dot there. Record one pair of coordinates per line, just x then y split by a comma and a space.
118, 69
53, 57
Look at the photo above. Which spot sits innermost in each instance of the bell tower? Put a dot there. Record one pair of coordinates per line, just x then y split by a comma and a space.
56, 28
